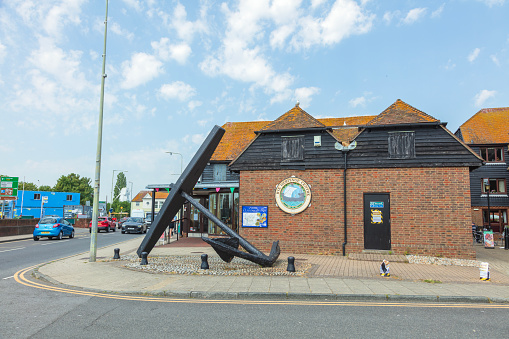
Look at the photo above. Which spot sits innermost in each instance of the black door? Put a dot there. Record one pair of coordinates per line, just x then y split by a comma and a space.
377, 221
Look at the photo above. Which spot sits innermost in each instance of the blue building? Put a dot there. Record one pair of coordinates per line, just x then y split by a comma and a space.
52, 203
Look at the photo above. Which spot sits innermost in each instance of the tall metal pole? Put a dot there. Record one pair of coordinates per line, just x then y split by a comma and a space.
95, 211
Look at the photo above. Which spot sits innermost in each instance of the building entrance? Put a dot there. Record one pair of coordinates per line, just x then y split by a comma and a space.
377, 221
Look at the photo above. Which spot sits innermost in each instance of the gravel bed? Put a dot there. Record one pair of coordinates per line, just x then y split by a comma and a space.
191, 265
417, 259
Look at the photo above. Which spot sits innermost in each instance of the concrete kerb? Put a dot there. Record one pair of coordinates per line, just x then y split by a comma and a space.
131, 245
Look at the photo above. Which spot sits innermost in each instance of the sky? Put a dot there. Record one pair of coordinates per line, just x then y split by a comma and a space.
177, 68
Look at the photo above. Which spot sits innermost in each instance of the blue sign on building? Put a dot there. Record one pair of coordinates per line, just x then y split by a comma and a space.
254, 216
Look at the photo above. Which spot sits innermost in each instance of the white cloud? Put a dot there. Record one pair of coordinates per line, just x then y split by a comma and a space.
305, 94
389, 16
115, 28
63, 66
166, 51
482, 96
50, 18
414, 15
193, 104
136, 4
2, 52
491, 3
438, 12
140, 69
360, 101
242, 57
187, 29
473, 55
450, 65
495, 60
345, 18
177, 90
198, 138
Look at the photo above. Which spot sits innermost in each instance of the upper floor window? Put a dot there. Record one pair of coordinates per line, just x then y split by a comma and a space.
219, 172
292, 148
69, 197
492, 154
137, 203
37, 196
495, 185
401, 145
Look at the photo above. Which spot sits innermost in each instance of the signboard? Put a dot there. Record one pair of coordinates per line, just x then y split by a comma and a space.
254, 216
45, 199
8, 188
489, 241
376, 204
484, 271
293, 195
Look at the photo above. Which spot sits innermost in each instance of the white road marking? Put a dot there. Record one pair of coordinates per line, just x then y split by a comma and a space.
13, 249
8, 277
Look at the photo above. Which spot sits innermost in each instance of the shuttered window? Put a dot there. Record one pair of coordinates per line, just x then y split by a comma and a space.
292, 148
402, 145
219, 172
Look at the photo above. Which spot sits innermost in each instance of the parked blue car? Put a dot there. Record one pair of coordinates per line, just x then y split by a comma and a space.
53, 227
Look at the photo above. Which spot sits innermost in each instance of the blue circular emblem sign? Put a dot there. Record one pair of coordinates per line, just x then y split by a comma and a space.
293, 195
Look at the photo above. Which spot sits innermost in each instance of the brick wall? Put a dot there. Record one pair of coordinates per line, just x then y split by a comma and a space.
430, 210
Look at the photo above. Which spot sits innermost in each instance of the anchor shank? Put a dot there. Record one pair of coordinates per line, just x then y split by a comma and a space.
243, 242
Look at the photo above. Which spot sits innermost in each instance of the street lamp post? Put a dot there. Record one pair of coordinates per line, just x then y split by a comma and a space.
95, 211
181, 210
487, 189
131, 192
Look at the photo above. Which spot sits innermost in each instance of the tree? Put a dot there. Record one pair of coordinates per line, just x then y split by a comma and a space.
73, 183
29, 186
121, 183
45, 188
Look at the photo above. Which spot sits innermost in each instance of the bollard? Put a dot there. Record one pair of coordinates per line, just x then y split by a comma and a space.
117, 253
204, 262
291, 264
144, 260
506, 238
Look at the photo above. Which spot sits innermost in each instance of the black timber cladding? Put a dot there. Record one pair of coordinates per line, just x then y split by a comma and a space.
496, 170
434, 147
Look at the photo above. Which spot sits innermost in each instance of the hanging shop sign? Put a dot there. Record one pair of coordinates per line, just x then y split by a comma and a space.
254, 216
293, 195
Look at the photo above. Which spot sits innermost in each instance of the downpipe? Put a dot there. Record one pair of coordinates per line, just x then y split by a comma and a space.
345, 152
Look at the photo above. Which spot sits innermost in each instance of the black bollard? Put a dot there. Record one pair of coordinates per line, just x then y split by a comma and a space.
506, 236
291, 264
117, 253
144, 260
204, 262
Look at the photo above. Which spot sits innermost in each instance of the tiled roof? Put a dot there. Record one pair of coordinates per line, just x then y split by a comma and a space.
143, 194
488, 126
140, 196
401, 113
346, 129
293, 119
237, 136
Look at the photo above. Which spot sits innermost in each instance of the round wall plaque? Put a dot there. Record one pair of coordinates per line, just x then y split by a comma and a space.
293, 195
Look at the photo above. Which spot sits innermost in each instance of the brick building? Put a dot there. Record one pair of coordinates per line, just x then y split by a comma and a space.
397, 181
487, 133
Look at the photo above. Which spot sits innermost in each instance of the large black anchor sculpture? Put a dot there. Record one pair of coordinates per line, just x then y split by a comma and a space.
226, 248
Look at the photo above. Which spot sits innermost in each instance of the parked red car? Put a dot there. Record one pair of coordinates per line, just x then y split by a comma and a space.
103, 224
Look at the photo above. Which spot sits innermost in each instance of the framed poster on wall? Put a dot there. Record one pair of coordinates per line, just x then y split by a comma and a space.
254, 216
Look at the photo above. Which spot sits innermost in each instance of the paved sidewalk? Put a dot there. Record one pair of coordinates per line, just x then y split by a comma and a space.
330, 278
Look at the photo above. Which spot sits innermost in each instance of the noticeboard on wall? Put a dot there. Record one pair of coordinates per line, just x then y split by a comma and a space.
254, 216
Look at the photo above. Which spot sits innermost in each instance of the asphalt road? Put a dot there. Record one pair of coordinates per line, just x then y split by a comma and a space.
27, 312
